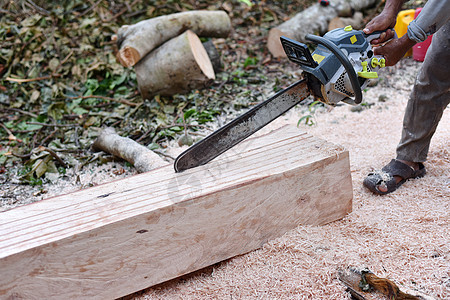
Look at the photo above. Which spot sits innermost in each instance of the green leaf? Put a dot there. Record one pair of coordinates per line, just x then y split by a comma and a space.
153, 146
40, 167
79, 110
75, 107
3, 157
56, 110
91, 86
53, 63
31, 21
117, 81
33, 181
248, 2
308, 120
24, 126
87, 22
41, 118
189, 113
250, 61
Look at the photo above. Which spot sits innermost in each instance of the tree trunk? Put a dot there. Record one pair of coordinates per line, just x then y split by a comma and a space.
312, 20
142, 158
135, 41
178, 66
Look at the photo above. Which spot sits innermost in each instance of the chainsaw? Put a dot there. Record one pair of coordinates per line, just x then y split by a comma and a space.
338, 69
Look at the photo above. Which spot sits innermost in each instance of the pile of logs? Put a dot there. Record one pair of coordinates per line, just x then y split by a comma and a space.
167, 53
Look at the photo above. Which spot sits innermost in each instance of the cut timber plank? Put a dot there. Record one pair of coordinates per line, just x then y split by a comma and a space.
117, 238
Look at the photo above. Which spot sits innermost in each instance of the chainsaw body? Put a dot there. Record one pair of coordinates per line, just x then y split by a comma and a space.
340, 66
336, 71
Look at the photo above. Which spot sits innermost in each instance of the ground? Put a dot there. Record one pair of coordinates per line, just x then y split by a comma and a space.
403, 236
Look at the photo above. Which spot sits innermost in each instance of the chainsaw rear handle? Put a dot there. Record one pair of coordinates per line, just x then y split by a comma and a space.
376, 34
343, 60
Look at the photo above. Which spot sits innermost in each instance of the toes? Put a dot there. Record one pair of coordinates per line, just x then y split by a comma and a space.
382, 187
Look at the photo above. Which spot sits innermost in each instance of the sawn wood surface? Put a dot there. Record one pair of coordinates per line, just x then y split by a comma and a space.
118, 238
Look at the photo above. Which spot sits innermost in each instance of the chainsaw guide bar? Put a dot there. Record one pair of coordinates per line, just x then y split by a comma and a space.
242, 127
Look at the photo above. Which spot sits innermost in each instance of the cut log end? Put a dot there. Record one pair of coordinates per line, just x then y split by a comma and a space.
178, 66
200, 55
274, 43
128, 56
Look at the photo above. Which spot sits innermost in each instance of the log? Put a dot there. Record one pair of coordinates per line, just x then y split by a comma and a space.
313, 20
117, 238
356, 21
178, 66
142, 158
214, 55
135, 41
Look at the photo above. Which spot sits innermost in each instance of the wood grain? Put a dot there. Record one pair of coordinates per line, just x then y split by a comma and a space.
117, 238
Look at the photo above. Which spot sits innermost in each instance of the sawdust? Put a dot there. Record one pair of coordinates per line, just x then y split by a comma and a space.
404, 236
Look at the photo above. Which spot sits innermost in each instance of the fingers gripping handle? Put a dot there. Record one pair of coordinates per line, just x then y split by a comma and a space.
377, 60
376, 34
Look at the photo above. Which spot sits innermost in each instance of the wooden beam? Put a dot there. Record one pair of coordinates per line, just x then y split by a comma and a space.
117, 238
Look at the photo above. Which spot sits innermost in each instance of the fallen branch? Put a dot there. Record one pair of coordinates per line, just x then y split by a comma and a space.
106, 98
142, 158
51, 125
53, 153
135, 41
54, 73
11, 136
23, 80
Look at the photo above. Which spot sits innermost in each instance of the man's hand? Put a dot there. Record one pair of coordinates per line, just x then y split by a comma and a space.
394, 50
383, 21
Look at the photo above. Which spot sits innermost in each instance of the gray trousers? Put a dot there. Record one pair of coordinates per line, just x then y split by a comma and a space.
429, 97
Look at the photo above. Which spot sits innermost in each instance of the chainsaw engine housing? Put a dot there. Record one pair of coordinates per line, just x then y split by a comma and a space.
342, 63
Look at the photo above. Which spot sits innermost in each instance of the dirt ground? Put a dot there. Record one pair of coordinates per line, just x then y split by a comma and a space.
404, 236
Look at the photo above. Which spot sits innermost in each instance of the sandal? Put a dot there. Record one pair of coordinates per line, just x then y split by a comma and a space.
386, 176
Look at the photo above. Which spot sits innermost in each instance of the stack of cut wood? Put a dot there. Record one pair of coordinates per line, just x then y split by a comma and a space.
167, 53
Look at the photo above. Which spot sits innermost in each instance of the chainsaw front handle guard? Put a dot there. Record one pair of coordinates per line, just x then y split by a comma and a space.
343, 60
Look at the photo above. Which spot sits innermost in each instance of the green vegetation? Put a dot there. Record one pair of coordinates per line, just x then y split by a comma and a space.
60, 83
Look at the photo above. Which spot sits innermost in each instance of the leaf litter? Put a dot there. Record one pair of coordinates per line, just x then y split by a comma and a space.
61, 84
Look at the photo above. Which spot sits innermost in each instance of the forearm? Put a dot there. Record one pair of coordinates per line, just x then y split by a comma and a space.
392, 7
432, 17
